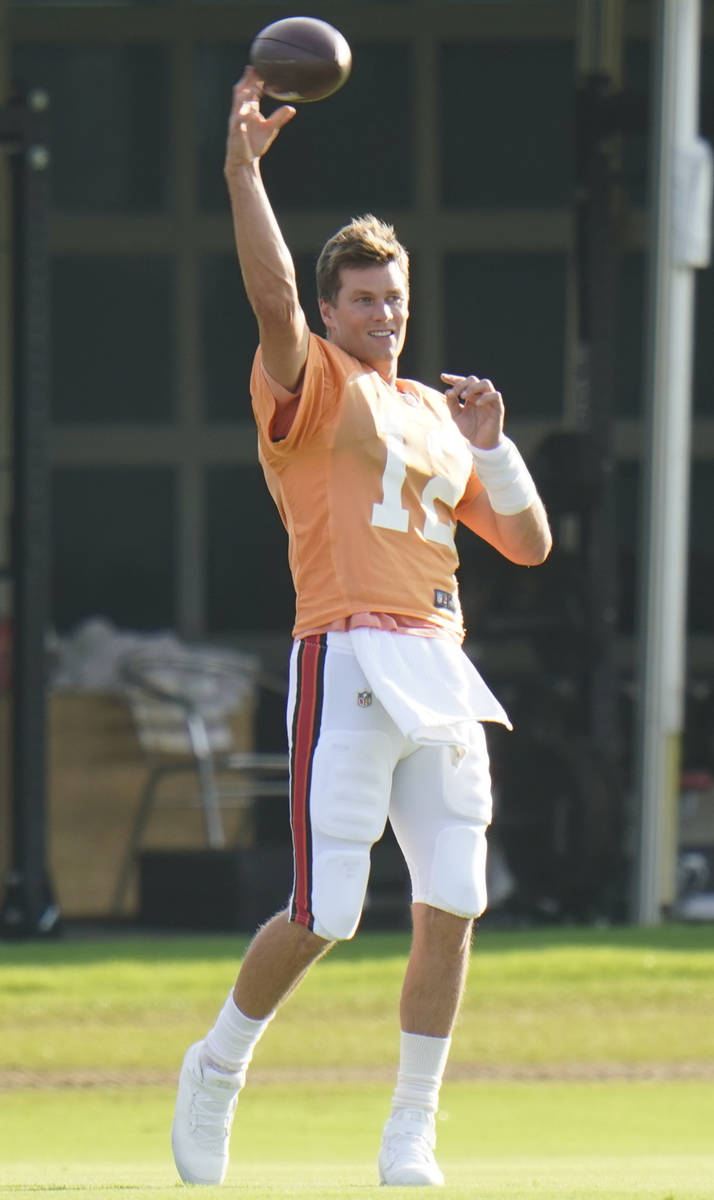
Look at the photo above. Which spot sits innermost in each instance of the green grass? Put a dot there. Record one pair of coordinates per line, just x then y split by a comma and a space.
536, 1102
539, 998
496, 1141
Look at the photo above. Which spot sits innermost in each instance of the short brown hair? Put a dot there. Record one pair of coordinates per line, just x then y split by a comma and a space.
366, 241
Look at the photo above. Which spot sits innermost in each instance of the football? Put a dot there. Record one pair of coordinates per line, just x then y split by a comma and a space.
301, 59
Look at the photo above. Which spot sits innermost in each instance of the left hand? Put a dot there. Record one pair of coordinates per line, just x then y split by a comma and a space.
477, 409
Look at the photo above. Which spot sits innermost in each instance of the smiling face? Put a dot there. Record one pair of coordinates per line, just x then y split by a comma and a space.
368, 317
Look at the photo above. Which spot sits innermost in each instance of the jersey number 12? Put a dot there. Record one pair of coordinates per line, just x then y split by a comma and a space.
390, 514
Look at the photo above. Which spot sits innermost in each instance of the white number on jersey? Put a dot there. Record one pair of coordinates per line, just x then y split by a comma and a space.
439, 488
390, 514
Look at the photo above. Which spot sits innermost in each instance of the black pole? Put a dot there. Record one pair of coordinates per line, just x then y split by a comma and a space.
599, 215
29, 908
599, 237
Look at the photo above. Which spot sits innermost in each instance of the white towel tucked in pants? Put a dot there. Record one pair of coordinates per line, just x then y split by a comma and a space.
429, 687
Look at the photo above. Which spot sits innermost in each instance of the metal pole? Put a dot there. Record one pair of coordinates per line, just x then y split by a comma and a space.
680, 191
29, 908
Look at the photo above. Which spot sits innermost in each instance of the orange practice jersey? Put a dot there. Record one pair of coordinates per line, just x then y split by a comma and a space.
369, 483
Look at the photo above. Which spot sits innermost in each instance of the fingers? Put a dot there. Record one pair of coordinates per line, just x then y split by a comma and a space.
247, 93
250, 81
469, 389
281, 116
250, 134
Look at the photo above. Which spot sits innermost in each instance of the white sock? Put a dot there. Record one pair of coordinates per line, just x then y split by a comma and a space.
229, 1045
422, 1061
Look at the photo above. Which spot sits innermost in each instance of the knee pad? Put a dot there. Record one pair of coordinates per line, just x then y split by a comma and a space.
339, 886
349, 802
458, 875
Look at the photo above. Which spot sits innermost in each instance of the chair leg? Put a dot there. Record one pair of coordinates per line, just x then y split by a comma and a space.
137, 832
212, 819
210, 805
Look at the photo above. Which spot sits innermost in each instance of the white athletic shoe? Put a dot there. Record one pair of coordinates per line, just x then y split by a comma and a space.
406, 1155
205, 1106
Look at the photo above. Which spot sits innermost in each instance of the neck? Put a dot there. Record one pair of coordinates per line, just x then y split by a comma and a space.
387, 370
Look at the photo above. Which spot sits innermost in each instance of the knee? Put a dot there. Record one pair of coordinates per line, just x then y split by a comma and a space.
306, 944
442, 930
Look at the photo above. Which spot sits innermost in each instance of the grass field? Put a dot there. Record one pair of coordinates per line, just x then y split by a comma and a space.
582, 1066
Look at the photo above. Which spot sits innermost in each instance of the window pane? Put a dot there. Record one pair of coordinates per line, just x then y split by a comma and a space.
701, 550
290, 4
564, 4
513, 141
505, 321
85, 3
109, 122
631, 330
629, 336
113, 344
248, 584
639, 112
307, 285
113, 546
636, 88
628, 504
704, 344
229, 333
631, 521
229, 336
706, 105
355, 152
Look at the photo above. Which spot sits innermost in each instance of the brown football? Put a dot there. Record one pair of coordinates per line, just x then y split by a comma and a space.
301, 59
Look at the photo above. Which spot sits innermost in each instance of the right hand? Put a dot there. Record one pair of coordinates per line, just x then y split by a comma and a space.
249, 132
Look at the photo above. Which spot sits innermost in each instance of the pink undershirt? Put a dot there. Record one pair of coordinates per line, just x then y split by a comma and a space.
393, 622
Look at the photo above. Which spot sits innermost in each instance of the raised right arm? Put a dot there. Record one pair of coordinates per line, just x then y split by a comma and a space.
265, 261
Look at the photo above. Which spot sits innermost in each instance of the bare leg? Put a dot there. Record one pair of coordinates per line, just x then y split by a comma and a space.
214, 1069
431, 995
276, 961
436, 973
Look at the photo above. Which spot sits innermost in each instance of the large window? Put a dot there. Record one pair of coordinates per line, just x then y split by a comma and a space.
458, 124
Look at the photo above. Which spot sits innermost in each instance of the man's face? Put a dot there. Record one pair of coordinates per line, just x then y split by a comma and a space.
369, 317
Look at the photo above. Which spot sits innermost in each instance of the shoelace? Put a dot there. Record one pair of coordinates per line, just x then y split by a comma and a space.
211, 1117
419, 1150
418, 1142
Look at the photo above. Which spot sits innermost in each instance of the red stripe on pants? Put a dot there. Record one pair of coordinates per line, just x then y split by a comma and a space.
306, 730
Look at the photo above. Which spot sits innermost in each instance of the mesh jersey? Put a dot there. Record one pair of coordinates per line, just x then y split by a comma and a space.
368, 483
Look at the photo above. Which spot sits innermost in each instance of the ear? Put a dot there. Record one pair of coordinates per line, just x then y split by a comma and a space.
326, 313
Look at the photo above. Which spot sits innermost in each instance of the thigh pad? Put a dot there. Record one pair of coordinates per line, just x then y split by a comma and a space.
351, 784
467, 790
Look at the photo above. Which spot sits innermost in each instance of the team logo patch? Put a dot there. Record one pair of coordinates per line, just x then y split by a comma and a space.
444, 600
364, 699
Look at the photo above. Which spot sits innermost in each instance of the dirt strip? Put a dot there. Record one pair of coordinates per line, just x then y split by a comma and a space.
13, 1078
